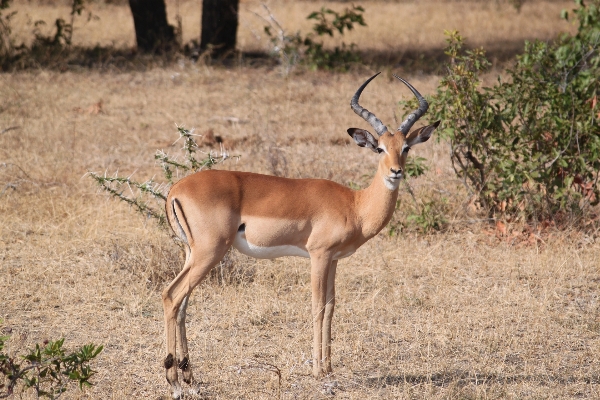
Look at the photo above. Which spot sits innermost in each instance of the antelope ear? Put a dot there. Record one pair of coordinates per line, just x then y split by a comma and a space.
421, 135
364, 138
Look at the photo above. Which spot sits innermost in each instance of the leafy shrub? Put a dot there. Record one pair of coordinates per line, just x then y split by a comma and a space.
293, 49
148, 197
527, 147
47, 370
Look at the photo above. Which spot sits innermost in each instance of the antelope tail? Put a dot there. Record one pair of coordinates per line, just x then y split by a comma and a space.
179, 223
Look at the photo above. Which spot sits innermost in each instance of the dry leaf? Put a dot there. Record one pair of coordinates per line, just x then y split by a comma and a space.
501, 227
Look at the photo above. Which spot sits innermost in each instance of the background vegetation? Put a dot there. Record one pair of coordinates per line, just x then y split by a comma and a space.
528, 146
490, 307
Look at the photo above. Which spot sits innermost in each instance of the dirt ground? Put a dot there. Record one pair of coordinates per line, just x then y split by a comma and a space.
459, 315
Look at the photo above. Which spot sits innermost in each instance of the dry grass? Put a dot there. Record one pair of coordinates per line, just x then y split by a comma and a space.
459, 315
397, 32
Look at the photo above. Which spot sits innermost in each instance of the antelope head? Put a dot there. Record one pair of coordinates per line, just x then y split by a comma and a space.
393, 147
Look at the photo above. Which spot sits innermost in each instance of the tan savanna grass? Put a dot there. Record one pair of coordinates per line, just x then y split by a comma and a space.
456, 315
393, 27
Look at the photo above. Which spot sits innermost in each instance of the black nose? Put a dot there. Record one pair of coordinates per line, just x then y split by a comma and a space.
396, 171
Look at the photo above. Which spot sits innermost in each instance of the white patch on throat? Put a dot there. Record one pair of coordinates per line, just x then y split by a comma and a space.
391, 184
249, 249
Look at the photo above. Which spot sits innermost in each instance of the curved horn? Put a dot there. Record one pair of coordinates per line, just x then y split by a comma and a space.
415, 115
368, 116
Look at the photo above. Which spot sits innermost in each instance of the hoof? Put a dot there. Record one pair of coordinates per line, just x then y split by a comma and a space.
176, 391
176, 394
199, 389
328, 388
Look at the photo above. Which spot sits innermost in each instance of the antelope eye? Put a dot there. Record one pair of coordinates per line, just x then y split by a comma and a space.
379, 150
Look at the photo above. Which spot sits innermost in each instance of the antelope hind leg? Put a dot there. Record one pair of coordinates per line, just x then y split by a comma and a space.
183, 361
173, 297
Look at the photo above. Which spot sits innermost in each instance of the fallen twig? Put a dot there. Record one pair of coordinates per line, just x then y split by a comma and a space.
12, 128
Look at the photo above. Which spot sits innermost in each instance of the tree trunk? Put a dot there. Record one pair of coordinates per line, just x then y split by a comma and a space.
219, 26
152, 32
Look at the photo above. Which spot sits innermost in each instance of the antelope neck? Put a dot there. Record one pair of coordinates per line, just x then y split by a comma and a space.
376, 205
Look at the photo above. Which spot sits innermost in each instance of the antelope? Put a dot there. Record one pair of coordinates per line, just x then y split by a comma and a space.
265, 216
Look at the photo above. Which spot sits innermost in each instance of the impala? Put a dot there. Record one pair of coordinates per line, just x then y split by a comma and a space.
268, 217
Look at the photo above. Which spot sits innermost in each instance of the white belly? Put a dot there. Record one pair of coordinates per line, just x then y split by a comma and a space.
339, 255
249, 249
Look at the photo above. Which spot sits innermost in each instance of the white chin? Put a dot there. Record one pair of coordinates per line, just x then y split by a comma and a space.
391, 184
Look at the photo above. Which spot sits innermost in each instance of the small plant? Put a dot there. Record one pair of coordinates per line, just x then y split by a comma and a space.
415, 166
292, 49
47, 369
517, 4
354, 186
64, 30
15, 176
423, 217
148, 197
430, 216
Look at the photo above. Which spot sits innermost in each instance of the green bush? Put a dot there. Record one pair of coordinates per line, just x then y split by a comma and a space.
52, 41
527, 147
47, 369
293, 49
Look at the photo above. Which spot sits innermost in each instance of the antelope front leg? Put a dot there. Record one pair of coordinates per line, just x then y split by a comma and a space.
320, 265
329, 306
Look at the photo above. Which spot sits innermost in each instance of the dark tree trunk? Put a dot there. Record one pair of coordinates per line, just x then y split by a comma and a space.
219, 25
152, 32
